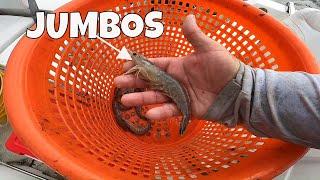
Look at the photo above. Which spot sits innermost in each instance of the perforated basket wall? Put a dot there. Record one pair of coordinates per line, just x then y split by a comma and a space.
59, 93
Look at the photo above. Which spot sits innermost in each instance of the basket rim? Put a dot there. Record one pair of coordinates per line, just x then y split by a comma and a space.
71, 167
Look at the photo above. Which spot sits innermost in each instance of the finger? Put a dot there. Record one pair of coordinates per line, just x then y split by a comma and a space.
129, 81
143, 98
163, 112
195, 36
127, 65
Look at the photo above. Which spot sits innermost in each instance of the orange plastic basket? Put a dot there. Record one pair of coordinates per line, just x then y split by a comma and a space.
58, 94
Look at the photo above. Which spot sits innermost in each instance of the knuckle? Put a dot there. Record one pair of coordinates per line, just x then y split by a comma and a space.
156, 97
171, 110
142, 98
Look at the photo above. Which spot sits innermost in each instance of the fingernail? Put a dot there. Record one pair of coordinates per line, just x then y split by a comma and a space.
152, 114
124, 101
117, 81
192, 16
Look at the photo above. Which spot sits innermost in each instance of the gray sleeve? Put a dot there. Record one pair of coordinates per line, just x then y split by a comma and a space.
283, 105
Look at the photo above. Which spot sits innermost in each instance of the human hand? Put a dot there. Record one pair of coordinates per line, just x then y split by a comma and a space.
204, 73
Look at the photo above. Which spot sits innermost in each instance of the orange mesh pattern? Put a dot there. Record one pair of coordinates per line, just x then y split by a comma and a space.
59, 94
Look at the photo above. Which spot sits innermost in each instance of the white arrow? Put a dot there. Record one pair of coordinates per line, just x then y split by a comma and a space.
123, 53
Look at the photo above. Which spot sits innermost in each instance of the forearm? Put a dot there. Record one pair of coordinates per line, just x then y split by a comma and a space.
273, 104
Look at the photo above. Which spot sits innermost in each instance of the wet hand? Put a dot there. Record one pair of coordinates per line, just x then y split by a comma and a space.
204, 73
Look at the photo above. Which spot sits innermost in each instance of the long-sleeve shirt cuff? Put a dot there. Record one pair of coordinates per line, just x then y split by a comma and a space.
283, 105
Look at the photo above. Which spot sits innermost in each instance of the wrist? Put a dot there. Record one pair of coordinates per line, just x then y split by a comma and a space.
222, 109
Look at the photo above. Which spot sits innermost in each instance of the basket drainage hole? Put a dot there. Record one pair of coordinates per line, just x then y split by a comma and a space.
243, 155
215, 170
111, 165
122, 169
204, 173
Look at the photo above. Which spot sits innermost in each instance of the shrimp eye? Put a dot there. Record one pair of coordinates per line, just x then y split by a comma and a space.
134, 54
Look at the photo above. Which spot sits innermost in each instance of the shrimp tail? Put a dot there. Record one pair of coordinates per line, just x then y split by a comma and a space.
183, 124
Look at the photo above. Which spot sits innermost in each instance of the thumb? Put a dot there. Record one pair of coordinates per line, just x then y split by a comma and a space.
195, 36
